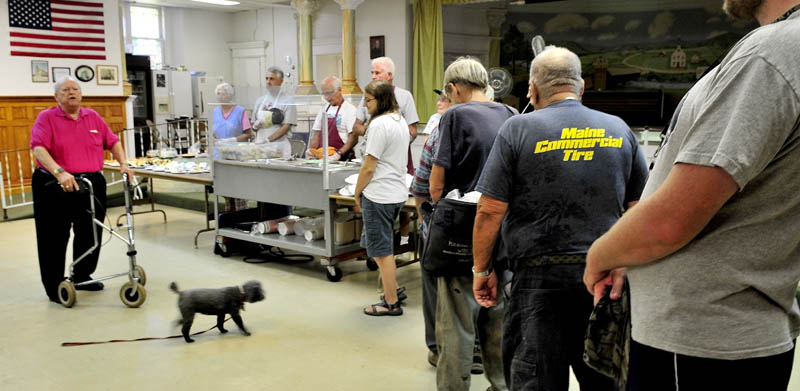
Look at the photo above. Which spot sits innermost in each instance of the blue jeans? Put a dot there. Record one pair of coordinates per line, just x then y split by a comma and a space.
544, 327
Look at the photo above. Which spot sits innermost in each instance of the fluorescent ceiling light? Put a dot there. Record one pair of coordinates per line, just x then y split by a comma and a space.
218, 2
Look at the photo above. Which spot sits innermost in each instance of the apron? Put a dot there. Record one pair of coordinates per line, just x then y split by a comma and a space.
334, 140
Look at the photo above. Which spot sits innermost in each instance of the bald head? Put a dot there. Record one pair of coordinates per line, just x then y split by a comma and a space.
556, 70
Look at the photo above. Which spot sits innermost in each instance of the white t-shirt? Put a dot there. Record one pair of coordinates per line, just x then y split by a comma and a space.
433, 123
404, 100
344, 121
387, 138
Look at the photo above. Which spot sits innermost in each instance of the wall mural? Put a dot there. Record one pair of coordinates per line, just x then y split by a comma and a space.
664, 50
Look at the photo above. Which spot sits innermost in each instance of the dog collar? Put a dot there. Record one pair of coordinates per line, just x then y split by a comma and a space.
243, 297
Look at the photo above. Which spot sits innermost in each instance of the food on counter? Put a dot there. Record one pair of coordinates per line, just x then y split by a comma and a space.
247, 151
165, 165
317, 152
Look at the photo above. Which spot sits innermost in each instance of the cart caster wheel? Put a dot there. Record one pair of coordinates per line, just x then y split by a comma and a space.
132, 296
66, 293
142, 275
335, 274
222, 250
371, 264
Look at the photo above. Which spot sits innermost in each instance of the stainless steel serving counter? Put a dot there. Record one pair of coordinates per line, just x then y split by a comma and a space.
296, 183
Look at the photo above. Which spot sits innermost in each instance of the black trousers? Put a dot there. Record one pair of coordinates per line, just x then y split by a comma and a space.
653, 369
55, 212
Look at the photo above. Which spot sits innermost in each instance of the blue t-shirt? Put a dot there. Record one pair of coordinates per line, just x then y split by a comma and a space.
567, 173
227, 127
467, 132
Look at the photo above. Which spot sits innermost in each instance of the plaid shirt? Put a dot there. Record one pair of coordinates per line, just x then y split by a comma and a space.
420, 187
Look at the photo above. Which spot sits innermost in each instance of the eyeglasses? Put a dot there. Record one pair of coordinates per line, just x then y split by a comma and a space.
367, 100
328, 94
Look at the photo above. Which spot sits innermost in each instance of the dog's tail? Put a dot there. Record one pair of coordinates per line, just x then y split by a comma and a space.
174, 287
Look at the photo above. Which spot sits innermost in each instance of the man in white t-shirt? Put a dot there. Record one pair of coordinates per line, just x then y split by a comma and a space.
271, 128
383, 69
341, 116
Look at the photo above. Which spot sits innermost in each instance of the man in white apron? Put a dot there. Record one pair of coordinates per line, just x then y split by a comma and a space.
267, 107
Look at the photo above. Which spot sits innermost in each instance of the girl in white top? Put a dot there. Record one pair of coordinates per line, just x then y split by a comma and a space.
383, 186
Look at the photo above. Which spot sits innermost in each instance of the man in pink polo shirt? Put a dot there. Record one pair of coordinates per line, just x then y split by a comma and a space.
68, 142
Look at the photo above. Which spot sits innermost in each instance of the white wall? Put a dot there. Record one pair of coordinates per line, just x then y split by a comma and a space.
17, 69
199, 39
276, 25
393, 20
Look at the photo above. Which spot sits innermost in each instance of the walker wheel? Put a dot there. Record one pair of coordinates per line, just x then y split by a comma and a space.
132, 296
142, 275
66, 293
371, 264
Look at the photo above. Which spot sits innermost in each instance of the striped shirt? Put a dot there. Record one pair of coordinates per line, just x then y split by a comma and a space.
420, 188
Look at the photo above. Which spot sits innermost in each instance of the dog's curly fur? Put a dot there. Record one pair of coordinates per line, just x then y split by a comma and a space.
219, 302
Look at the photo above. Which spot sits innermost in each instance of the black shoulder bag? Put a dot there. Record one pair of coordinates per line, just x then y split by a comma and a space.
448, 250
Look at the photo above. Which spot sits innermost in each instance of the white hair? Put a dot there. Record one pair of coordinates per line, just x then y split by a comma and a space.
63, 79
386, 61
227, 92
334, 82
469, 72
556, 67
275, 71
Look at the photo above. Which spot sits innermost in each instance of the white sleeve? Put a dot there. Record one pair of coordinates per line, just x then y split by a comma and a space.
318, 121
376, 140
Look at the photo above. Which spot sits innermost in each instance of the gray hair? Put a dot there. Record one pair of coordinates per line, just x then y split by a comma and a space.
63, 79
226, 87
334, 82
276, 71
556, 67
386, 61
469, 72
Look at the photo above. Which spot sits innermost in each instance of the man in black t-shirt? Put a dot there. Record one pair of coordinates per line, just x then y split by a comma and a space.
556, 179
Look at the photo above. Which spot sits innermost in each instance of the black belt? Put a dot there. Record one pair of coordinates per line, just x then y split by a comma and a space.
544, 260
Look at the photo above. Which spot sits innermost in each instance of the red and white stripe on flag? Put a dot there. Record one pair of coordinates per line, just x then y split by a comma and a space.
57, 28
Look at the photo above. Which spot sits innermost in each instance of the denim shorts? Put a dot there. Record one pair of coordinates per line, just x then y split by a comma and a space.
378, 233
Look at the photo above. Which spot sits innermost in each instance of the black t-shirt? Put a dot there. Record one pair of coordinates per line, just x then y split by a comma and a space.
467, 133
567, 173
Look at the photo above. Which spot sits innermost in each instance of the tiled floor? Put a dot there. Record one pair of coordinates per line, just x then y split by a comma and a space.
309, 334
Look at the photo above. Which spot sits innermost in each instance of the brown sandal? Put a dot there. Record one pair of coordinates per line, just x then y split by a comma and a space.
391, 309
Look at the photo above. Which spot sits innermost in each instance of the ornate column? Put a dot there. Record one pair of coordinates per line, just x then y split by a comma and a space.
304, 10
495, 19
349, 84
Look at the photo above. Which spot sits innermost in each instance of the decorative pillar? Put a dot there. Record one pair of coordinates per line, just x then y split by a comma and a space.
304, 10
349, 84
495, 19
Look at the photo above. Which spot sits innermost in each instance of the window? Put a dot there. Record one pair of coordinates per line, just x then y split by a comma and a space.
145, 33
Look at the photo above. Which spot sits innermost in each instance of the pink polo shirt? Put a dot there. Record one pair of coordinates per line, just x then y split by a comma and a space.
76, 145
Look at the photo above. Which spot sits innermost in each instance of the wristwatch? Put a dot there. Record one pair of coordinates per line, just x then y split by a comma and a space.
483, 273
58, 171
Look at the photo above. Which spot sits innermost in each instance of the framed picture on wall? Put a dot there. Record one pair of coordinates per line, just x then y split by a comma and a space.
377, 46
84, 73
107, 75
59, 72
40, 71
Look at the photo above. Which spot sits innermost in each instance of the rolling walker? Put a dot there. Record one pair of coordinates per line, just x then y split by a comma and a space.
132, 292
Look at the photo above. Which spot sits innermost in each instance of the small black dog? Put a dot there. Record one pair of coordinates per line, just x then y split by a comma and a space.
216, 302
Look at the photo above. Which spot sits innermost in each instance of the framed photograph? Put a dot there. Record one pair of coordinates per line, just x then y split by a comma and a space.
84, 73
40, 72
59, 72
107, 75
377, 46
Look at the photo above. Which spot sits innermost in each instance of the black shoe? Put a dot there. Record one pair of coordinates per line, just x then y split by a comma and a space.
95, 286
433, 358
477, 364
401, 295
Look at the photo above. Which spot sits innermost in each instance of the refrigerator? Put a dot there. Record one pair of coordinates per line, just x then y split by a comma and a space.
172, 95
203, 93
139, 75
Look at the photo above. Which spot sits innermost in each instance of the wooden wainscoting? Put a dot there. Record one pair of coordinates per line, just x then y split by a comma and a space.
17, 114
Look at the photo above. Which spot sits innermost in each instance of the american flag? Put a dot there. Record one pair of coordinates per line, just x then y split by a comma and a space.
57, 28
